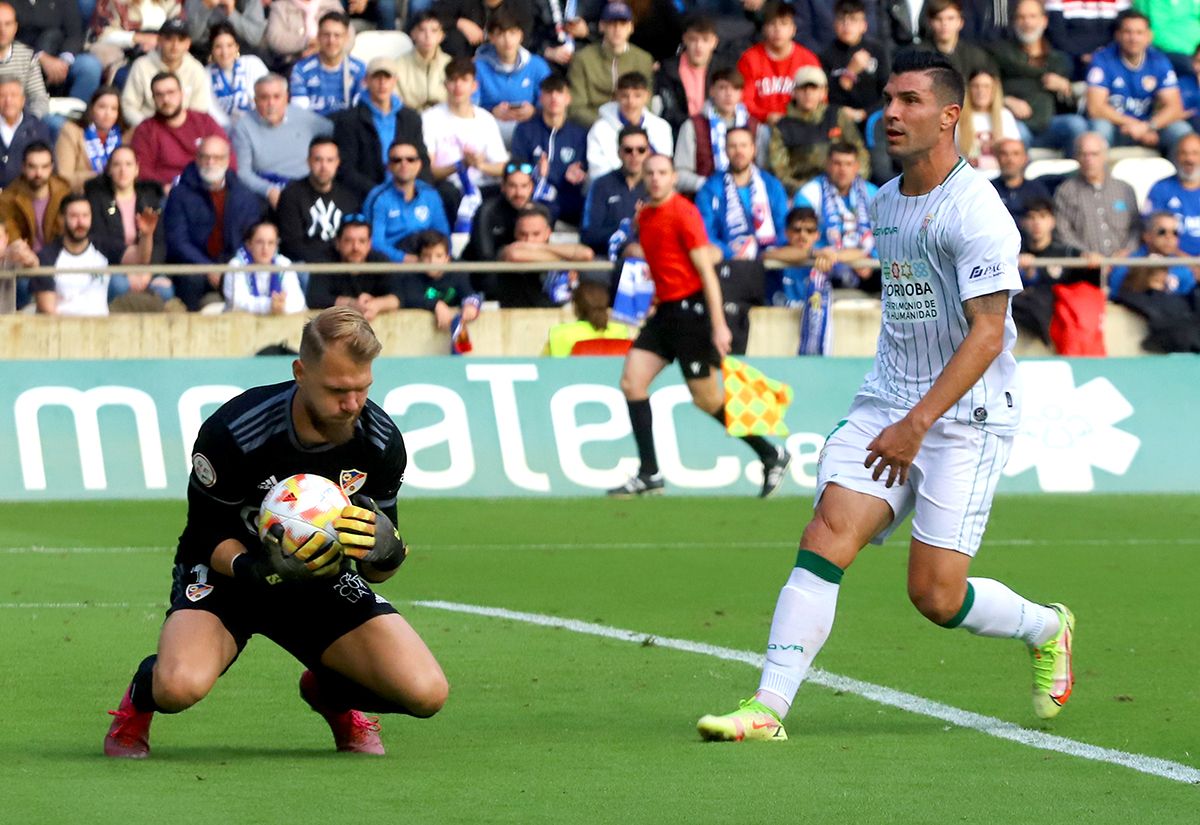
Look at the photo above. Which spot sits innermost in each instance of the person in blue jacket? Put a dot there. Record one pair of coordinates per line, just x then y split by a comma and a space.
613, 199
403, 206
508, 74
744, 208
557, 149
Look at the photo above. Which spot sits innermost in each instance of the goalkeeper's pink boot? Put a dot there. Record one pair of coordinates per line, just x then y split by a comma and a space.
353, 731
129, 734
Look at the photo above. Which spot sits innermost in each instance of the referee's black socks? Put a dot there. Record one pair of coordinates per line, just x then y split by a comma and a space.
643, 434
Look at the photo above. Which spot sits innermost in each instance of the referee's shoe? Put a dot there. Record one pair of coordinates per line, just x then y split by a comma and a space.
639, 485
774, 472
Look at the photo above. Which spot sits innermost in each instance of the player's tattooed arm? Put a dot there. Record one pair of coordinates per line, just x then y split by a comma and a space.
994, 303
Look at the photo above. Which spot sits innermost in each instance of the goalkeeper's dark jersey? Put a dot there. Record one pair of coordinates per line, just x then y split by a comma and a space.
250, 443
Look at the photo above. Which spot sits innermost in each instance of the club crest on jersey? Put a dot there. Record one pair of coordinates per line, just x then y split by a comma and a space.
203, 469
351, 481
196, 592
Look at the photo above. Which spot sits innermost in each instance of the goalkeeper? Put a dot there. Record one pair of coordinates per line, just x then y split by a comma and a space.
316, 603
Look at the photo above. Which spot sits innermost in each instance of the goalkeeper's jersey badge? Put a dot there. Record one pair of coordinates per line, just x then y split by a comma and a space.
196, 592
351, 481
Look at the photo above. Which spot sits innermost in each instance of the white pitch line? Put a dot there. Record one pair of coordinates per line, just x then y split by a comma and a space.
876, 693
647, 545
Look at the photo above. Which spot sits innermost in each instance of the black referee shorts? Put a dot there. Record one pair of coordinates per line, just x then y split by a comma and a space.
304, 618
681, 330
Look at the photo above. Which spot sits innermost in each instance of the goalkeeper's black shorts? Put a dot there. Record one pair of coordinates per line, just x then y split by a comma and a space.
304, 618
681, 330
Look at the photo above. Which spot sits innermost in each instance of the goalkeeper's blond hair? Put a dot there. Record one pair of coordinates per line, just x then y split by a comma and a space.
345, 325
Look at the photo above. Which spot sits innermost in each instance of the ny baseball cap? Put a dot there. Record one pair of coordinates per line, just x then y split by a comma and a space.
174, 26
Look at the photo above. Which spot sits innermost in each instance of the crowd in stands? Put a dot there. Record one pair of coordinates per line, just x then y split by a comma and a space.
247, 131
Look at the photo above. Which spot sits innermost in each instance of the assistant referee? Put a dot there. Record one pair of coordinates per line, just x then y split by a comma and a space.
688, 325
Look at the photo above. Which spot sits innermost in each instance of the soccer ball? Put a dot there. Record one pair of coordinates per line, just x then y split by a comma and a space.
304, 503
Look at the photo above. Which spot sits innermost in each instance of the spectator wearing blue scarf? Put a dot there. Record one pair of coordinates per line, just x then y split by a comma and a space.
840, 198
744, 208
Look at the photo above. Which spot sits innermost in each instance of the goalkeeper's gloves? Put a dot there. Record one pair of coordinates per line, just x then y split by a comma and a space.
317, 557
366, 534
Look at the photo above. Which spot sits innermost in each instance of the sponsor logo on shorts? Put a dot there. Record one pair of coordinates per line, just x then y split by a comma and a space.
203, 469
351, 587
351, 481
196, 592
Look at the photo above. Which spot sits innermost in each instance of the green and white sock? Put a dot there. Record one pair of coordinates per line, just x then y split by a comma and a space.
801, 624
992, 609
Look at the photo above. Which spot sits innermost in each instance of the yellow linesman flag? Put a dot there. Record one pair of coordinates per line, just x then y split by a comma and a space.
754, 403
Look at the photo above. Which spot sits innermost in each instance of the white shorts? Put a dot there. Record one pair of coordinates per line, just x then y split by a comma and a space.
950, 484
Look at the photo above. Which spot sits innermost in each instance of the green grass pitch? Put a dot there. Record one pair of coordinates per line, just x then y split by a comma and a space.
554, 726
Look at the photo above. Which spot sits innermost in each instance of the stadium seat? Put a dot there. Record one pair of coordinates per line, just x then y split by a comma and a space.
1142, 173
564, 237
389, 44
1051, 166
602, 346
1038, 153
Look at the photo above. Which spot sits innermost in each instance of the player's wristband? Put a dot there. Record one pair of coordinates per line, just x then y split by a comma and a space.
246, 568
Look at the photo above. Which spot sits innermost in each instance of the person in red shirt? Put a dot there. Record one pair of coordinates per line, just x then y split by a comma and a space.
768, 67
688, 325
166, 143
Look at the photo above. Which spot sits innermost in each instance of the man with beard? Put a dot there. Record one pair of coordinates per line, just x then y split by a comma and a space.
206, 218
359, 653
1180, 194
311, 209
84, 292
371, 293
167, 142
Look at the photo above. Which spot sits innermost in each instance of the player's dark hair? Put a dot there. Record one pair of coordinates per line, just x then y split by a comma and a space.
727, 74
161, 76
700, 24
801, 213
344, 325
632, 80
36, 146
1131, 14
1039, 205
775, 11
843, 148
947, 82
460, 67
590, 301
321, 140
429, 238
503, 20
74, 197
554, 83
336, 17
845, 8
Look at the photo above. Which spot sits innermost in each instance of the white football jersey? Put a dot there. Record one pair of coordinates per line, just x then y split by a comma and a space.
937, 250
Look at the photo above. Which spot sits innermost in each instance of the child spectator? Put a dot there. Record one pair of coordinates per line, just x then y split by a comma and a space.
445, 294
